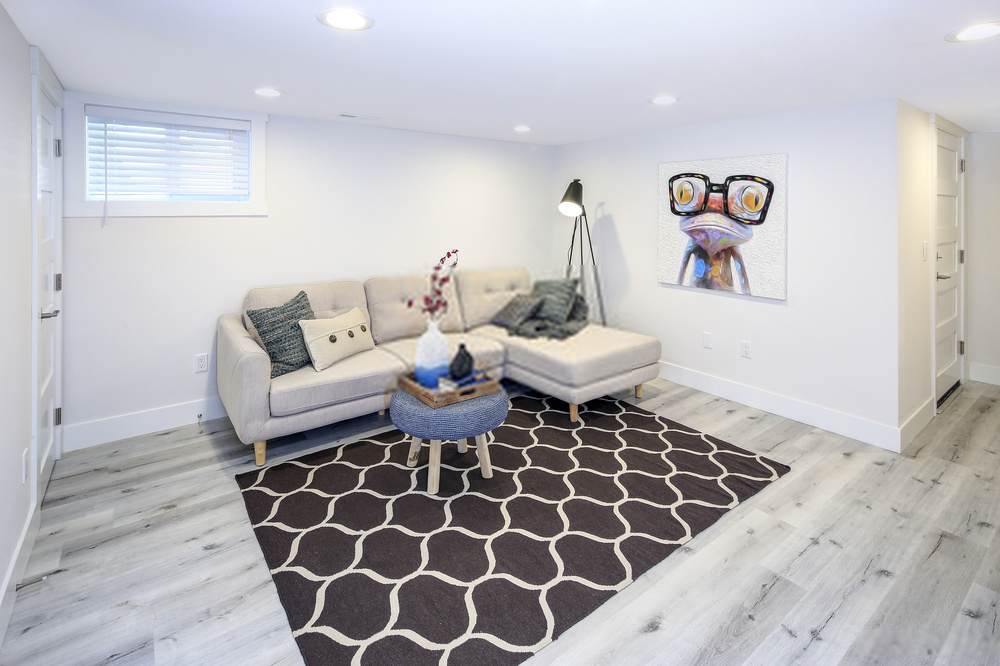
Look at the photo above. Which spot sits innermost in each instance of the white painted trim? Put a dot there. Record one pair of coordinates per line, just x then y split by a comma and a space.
16, 568
122, 426
981, 372
917, 421
76, 204
948, 127
850, 425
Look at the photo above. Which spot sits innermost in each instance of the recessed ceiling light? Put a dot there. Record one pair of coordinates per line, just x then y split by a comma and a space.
345, 18
522, 129
267, 91
663, 100
975, 32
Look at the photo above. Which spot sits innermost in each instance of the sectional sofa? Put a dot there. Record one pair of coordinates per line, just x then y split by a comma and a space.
597, 361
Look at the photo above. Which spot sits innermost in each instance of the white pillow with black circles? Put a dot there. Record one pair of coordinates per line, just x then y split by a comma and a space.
334, 339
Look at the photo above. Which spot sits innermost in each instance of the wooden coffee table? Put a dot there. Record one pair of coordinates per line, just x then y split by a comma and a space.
459, 422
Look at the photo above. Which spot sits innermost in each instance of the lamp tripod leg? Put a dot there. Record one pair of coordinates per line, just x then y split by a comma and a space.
572, 243
593, 261
583, 277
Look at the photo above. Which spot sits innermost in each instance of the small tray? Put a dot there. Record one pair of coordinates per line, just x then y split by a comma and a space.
484, 385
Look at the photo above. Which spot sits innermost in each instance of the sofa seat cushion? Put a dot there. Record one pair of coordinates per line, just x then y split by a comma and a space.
488, 353
359, 376
595, 353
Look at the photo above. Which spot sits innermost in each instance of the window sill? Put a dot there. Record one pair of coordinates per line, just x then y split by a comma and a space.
166, 209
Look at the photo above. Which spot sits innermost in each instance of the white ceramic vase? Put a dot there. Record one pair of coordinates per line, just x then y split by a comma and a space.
432, 356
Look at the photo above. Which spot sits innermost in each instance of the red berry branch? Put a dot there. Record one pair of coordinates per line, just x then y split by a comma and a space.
434, 304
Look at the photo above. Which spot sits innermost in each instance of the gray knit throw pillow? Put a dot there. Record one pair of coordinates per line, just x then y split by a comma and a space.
558, 297
518, 310
281, 334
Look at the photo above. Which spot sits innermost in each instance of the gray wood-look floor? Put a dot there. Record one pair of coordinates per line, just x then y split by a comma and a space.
859, 556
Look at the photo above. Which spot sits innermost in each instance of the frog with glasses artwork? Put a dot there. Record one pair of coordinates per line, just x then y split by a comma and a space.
718, 218
709, 215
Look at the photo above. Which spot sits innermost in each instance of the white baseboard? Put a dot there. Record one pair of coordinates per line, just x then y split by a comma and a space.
981, 372
856, 427
113, 428
16, 568
917, 421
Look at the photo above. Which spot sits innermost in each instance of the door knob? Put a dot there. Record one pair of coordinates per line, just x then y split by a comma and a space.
49, 315
943, 277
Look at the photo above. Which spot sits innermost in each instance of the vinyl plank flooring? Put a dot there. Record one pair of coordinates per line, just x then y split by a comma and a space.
145, 554
914, 619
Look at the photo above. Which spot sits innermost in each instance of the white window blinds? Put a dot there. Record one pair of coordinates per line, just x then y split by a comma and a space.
135, 155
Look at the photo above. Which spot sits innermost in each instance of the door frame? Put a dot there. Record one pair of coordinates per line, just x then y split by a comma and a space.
945, 125
44, 82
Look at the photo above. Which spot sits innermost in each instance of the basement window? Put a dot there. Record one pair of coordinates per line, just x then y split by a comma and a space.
135, 162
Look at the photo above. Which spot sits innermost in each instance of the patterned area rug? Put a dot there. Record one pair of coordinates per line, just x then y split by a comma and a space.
371, 569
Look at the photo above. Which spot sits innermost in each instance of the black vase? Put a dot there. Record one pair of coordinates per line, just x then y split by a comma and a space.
462, 365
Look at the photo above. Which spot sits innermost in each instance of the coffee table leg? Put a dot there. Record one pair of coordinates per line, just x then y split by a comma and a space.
434, 468
483, 453
411, 459
463, 445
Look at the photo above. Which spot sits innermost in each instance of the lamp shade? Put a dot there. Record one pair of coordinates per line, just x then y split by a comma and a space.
572, 202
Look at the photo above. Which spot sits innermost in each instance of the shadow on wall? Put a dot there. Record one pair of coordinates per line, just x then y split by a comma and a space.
611, 261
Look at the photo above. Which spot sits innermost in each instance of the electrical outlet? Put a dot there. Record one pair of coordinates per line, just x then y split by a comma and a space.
24, 465
745, 348
706, 340
201, 362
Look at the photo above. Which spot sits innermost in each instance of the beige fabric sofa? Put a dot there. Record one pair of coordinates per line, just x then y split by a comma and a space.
593, 363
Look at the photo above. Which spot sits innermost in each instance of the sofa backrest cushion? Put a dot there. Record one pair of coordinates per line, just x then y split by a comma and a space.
328, 299
392, 319
483, 293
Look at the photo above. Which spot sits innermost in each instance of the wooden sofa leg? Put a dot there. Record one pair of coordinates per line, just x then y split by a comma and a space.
574, 412
260, 452
388, 399
638, 391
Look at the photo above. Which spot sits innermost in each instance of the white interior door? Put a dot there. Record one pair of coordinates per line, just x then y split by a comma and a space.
948, 239
47, 225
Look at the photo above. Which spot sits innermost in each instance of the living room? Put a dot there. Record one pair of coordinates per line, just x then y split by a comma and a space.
775, 303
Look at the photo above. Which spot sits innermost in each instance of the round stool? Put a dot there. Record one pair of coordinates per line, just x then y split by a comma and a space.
457, 422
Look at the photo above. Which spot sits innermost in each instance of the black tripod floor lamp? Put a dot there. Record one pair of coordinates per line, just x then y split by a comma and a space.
572, 206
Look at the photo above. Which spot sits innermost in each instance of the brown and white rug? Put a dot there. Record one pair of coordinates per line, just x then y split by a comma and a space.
371, 569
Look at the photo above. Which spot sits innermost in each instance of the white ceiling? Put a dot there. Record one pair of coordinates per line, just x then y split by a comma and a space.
571, 69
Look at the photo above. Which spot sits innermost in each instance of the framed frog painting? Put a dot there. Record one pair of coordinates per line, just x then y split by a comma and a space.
722, 225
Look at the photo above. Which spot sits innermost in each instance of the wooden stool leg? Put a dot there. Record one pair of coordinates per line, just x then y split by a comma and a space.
574, 412
411, 459
434, 468
463, 445
260, 452
483, 453
638, 391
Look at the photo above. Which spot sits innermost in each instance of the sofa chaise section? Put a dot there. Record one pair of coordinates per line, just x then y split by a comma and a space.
596, 361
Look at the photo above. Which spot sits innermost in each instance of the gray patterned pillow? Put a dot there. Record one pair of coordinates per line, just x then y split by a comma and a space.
558, 297
279, 330
517, 311
580, 310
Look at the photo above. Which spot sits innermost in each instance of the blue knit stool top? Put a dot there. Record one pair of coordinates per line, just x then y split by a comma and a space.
459, 421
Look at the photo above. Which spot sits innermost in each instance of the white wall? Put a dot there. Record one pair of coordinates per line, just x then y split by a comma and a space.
15, 295
982, 271
827, 356
142, 295
915, 137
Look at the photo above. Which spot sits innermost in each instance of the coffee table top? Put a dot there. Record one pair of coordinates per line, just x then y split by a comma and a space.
458, 421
